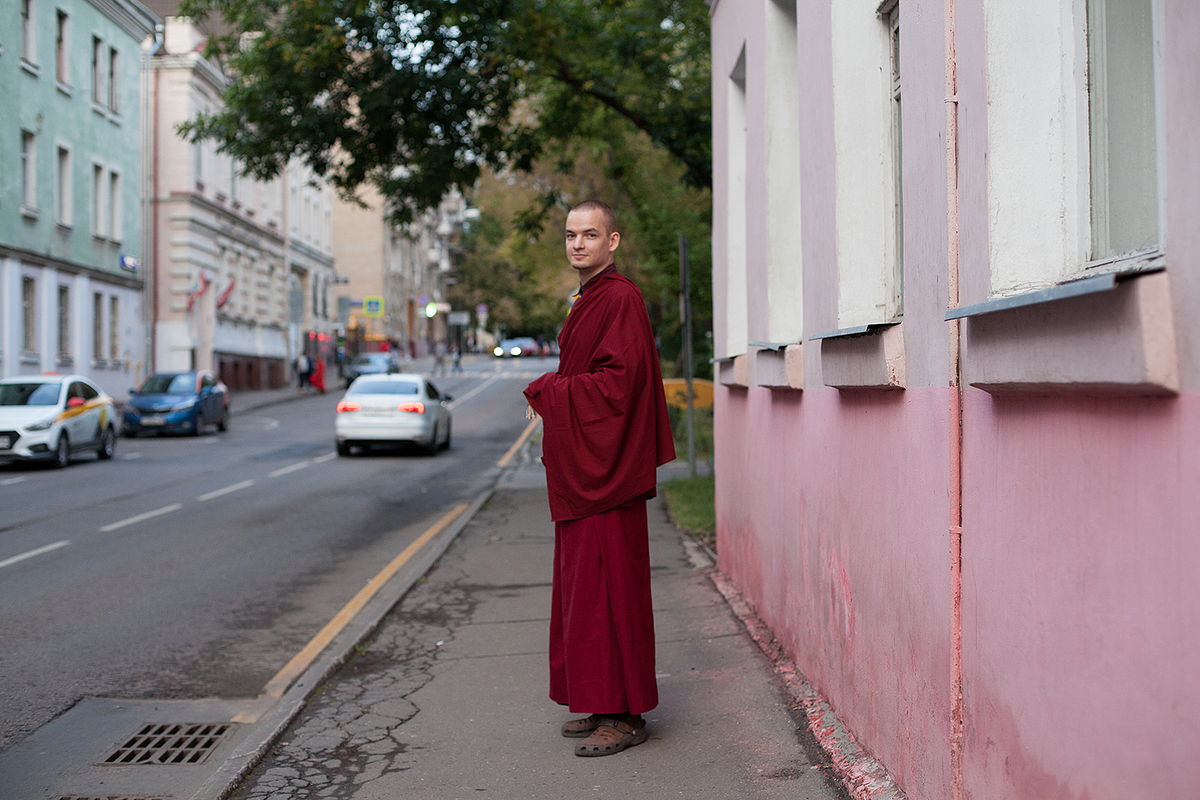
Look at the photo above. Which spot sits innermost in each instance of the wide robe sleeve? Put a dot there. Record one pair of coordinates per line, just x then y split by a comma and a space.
606, 428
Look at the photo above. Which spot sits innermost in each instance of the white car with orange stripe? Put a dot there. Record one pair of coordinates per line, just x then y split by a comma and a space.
53, 417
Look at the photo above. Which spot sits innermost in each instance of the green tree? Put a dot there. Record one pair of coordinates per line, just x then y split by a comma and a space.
418, 96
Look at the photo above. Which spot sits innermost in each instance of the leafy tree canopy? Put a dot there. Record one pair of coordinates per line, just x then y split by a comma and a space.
418, 96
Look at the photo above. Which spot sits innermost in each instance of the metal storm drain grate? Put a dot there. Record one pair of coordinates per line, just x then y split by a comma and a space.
170, 743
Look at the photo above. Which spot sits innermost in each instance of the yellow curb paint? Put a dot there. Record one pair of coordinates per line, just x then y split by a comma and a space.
512, 451
301, 661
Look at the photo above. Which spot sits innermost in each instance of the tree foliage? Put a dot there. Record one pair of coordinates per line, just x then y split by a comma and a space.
419, 96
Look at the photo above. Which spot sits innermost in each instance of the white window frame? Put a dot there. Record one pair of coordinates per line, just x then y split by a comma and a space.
114, 328
1100, 131
98, 326
64, 322
62, 48
866, 165
737, 334
785, 273
29, 314
29, 32
29, 182
115, 227
64, 186
99, 212
97, 71
114, 81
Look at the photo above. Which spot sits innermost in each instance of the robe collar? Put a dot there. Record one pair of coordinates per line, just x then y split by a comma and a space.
609, 270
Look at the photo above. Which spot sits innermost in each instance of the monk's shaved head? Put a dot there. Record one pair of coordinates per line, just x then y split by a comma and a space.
610, 216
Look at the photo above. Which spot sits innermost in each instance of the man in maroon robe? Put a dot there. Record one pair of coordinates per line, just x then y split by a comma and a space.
606, 431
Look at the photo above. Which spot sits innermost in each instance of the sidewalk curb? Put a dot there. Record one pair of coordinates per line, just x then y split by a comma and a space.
864, 777
274, 401
267, 730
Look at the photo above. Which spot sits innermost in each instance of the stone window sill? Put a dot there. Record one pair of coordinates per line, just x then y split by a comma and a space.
1107, 333
863, 357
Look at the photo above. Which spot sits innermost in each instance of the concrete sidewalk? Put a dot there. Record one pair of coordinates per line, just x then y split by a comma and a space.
448, 699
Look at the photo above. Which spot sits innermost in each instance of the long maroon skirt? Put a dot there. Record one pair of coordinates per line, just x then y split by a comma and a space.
601, 620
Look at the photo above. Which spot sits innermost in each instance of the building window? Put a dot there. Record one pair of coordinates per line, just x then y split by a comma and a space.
114, 206
28, 29
29, 315
1123, 61
890, 13
97, 71
97, 200
736, 322
114, 327
64, 322
63, 188
60, 49
97, 326
114, 82
28, 170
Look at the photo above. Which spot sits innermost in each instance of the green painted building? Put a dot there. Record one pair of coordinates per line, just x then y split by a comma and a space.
71, 291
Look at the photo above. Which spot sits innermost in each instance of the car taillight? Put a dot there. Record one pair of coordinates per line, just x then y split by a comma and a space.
348, 405
417, 407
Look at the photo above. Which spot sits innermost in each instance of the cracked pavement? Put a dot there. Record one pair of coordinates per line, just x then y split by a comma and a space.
448, 698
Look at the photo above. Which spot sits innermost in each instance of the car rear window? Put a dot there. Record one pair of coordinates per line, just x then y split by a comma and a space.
169, 384
29, 394
384, 387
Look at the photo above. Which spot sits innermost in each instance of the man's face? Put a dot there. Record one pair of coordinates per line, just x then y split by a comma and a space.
590, 245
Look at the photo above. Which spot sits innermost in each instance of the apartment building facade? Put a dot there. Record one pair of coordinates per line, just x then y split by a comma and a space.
71, 288
958, 378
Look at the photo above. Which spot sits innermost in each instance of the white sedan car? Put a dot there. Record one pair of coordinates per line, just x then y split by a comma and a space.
52, 417
379, 409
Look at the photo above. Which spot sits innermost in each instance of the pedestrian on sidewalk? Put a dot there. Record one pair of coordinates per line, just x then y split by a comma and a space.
606, 431
302, 369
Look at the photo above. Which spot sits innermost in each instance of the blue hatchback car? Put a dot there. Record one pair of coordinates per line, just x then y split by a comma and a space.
177, 402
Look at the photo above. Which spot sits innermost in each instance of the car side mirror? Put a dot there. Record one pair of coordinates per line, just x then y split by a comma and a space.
447, 398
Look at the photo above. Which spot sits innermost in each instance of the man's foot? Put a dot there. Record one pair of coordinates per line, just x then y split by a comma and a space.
611, 736
579, 728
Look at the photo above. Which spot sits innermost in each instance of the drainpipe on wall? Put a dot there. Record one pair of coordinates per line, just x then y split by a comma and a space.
956, 419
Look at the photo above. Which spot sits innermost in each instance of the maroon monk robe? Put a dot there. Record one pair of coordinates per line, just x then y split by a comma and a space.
606, 431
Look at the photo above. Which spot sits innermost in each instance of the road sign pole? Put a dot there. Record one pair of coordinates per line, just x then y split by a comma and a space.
685, 294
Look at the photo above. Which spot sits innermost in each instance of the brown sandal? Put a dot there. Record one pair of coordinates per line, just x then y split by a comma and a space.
611, 737
579, 728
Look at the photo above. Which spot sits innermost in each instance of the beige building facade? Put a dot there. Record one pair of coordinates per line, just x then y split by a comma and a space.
242, 270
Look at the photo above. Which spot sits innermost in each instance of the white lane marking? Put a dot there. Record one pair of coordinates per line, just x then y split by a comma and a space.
11, 481
142, 517
8, 561
286, 470
131, 456
324, 458
454, 403
266, 422
227, 490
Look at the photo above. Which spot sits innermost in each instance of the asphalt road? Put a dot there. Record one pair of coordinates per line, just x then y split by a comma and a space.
197, 567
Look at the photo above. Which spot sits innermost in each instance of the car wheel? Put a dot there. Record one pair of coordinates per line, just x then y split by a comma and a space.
446, 444
223, 422
343, 448
108, 444
195, 429
62, 453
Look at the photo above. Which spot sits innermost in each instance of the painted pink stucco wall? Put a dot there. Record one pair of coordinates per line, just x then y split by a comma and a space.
838, 532
1081, 513
1081, 601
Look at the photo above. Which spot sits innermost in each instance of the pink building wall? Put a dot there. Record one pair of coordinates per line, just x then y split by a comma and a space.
1080, 617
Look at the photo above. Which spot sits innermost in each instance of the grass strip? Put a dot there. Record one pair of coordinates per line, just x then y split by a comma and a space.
690, 504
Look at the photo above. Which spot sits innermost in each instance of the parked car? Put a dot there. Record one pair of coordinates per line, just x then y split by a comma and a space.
53, 417
379, 409
521, 346
371, 364
177, 402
